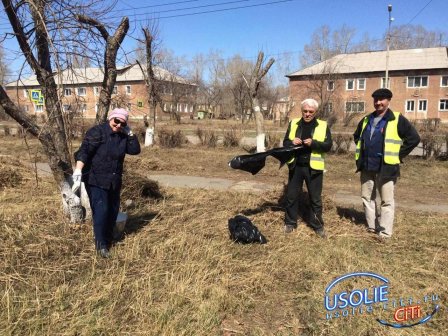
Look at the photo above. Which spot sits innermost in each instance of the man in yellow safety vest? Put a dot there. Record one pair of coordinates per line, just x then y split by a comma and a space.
307, 165
382, 140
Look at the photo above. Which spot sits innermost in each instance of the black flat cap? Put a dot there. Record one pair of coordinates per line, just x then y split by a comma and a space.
382, 93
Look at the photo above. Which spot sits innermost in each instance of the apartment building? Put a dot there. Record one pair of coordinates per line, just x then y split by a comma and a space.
80, 92
344, 83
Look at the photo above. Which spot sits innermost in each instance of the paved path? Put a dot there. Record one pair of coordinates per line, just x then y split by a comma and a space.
340, 197
187, 181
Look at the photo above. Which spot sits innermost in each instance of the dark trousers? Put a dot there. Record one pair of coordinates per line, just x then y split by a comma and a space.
105, 205
313, 180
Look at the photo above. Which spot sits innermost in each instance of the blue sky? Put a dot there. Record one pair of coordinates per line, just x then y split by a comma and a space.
276, 28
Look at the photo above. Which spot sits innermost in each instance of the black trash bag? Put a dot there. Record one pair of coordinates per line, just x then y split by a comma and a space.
243, 231
253, 163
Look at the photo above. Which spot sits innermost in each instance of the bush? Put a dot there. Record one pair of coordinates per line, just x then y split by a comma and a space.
341, 143
170, 139
207, 138
272, 140
9, 177
232, 137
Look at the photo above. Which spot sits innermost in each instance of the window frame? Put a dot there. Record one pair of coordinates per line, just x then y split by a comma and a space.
81, 88
128, 89
346, 84
355, 102
406, 105
69, 90
414, 86
441, 81
446, 105
115, 89
38, 110
332, 85
96, 90
357, 84
420, 101
383, 82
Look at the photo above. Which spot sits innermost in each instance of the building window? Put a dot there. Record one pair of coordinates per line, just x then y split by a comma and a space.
422, 105
444, 81
66, 107
328, 108
128, 89
443, 105
330, 86
81, 91
97, 106
38, 108
417, 81
67, 92
350, 84
83, 108
410, 106
361, 84
354, 107
96, 91
383, 82
115, 90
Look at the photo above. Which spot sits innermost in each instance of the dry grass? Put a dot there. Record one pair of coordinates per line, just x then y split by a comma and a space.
176, 272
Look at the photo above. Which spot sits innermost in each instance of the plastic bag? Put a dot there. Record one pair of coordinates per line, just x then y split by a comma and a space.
243, 231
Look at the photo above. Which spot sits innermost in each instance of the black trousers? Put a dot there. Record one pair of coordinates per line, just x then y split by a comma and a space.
313, 180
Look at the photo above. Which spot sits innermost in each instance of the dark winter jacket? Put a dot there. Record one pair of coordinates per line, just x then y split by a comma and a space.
406, 132
102, 151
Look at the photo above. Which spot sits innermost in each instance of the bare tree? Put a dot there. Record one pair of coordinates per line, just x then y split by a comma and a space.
113, 43
415, 36
36, 25
253, 84
326, 44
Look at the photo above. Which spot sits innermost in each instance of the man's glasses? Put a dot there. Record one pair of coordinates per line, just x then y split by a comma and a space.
119, 122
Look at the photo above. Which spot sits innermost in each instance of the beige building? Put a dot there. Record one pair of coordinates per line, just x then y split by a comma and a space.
344, 83
80, 92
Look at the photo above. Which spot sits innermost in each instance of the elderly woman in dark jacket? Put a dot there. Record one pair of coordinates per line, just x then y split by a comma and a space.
99, 163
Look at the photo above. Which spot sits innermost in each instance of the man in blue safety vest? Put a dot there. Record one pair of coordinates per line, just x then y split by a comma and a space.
382, 140
307, 165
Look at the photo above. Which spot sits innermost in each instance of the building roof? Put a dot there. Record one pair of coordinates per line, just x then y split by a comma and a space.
95, 76
375, 61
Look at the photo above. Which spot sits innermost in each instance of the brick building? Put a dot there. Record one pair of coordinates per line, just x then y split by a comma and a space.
80, 92
344, 83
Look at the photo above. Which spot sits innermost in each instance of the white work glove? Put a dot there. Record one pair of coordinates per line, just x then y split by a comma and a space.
127, 130
77, 174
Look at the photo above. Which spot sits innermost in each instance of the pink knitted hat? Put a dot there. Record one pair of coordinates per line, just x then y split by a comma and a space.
119, 113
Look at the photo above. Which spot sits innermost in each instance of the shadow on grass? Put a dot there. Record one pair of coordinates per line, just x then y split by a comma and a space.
135, 224
352, 214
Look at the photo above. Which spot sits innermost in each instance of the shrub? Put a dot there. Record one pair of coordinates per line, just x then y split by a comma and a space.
232, 137
207, 138
170, 139
9, 177
272, 140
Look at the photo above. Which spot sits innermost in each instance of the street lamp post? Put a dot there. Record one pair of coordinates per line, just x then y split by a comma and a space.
389, 9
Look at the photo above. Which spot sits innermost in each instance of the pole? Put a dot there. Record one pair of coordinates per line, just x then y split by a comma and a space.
389, 9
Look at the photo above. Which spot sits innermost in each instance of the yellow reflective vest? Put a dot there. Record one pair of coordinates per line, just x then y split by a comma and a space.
317, 159
392, 141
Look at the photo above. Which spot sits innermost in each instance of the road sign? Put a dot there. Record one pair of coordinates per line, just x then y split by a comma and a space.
36, 96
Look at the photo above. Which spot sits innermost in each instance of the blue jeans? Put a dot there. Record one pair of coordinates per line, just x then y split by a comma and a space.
105, 205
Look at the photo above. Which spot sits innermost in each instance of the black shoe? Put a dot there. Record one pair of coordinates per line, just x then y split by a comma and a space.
104, 253
289, 228
321, 233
